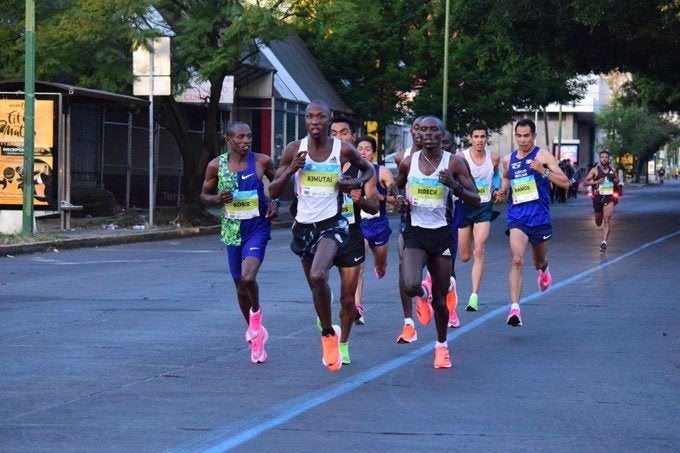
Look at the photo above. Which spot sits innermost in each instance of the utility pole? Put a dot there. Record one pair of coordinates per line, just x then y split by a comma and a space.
559, 134
29, 118
445, 94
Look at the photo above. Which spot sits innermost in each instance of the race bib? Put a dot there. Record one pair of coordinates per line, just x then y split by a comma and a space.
524, 189
484, 188
427, 193
244, 205
348, 209
606, 188
318, 180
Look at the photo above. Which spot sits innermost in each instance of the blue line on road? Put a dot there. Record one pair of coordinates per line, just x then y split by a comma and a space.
237, 433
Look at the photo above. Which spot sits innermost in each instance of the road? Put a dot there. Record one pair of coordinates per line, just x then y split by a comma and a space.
140, 348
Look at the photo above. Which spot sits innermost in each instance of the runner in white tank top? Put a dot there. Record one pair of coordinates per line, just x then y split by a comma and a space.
474, 229
317, 237
430, 174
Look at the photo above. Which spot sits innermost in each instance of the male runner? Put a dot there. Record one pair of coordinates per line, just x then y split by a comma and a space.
527, 174
375, 226
427, 177
603, 179
350, 258
476, 223
320, 230
233, 181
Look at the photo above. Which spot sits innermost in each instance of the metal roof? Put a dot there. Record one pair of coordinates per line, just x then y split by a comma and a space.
74, 93
298, 75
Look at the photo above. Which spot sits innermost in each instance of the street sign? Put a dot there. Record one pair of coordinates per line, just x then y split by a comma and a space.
142, 62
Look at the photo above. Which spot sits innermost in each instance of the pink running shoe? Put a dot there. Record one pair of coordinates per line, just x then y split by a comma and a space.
428, 279
257, 352
514, 318
453, 320
359, 316
544, 280
452, 296
379, 275
254, 325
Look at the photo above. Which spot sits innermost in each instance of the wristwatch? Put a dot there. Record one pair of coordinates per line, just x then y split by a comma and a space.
547, 173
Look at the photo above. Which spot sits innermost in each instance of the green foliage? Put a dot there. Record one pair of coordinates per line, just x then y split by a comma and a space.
90, 43
23, 238
655, 95
488, 79
634, 130
582, 36
374, 52
365, 49
84, 42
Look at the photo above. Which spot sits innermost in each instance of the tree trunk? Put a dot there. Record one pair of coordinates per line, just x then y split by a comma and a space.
173, 118
547, 136
639, 168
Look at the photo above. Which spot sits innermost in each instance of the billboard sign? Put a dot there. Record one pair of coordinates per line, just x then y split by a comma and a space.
12, 174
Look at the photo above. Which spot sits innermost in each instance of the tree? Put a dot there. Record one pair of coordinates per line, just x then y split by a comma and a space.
636, 131
363, 49
210, 37
489, 80
104, 31
375, 52
581, 37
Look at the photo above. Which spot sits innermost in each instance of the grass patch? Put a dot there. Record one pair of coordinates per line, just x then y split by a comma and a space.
22, 238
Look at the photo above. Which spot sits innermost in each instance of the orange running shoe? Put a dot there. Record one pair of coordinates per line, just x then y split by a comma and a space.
408, 334
424, 304
441, 357
332, 357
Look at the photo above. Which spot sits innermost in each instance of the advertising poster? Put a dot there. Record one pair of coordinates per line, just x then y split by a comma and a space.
567, 151
12, 129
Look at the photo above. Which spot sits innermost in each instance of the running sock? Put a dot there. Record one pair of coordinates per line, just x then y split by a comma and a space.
514, 306
442, 345
408, 322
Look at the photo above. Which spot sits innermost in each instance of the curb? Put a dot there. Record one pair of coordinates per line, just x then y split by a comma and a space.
115, 239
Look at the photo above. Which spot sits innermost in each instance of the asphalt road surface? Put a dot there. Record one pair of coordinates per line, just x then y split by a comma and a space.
139, 348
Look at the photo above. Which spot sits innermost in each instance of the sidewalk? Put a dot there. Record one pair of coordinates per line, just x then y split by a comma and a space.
82, 235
